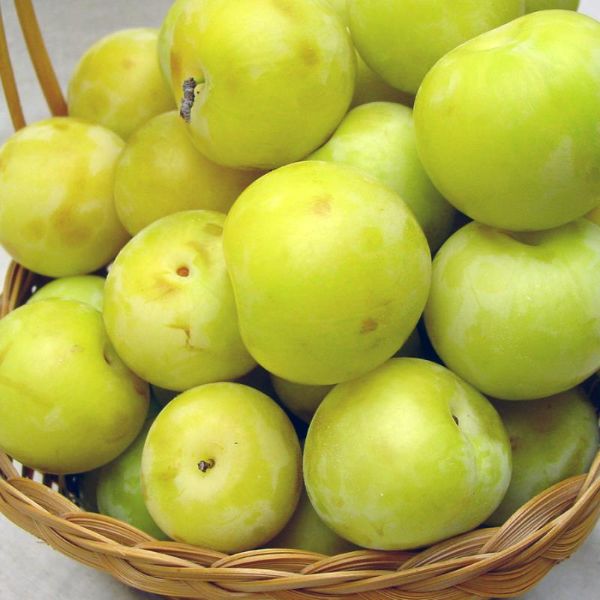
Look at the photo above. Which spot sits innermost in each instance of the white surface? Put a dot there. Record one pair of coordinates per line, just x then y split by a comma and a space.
29, 569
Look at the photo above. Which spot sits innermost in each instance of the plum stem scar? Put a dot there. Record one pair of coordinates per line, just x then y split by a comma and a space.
189, 85
205, 465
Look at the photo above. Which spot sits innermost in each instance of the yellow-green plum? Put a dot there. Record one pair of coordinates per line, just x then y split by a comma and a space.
507, 124
88, 289
68, 404
221, 468
405, 456
379, 140
169, 307
552, 439
267, 80
303, 400
165, 39
57, 214
518, 314
119, 489
370, 87
160, 172
117, 83
330, 271
402, 39
306, 531
533, 5
300, 399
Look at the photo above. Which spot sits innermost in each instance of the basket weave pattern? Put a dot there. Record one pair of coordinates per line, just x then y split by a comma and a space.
500, 562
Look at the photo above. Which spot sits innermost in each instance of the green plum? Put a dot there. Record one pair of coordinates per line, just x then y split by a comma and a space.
221, 468
68, 404
267, 80
402, 39
330, 271
300, 399
370, 87
119, 488
518, 314
533, 5
88, 289
552, 439
303, 400
169, 307
165, 40
507, 124
57, 214
160, 172
117, 82
306, 531
379, 140
405, 456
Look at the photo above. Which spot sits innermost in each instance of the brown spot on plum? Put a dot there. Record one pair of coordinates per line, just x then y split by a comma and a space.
213, 229
544, 420
176, 67
187, 332
35, 229
322, 205
183, 271
369, 325
140, 387
286, 7
309, 55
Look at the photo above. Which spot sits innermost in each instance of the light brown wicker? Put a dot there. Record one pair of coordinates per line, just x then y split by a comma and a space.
494, 562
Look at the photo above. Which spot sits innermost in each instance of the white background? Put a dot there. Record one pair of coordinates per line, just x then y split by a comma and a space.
29, 569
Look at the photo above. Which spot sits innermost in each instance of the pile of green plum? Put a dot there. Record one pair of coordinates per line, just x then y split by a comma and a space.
245, 341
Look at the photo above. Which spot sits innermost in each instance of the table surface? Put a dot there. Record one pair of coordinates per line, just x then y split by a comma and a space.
30, 569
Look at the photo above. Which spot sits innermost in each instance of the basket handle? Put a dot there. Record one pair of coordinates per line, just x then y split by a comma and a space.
39, 58
9, 83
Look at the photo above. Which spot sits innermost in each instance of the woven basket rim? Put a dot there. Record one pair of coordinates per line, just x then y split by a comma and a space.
496, 562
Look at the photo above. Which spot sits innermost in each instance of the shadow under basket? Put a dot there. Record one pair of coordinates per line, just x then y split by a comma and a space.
496, 562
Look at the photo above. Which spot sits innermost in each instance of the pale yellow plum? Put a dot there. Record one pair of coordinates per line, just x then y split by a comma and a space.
88, 289
405, 456
518, 314
68, 404
330, 271
306, 531
117, 83
370, 87
300, 399
57, 214
594, 215
533, 5
221, 468
269, 79
303, 400
552, 439
169, 307
160, 172
119, 487
402, 39
379, 140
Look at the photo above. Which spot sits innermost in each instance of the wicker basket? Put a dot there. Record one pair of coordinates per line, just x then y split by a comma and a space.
491, 562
